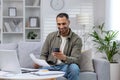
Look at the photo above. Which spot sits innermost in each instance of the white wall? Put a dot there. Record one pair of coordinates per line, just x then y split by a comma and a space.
99, 8
107, 15
47, 10
99, 11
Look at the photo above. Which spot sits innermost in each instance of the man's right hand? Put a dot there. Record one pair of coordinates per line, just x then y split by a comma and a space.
36, 66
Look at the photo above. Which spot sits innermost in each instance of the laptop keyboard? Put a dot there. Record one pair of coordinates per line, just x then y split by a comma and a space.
27, 70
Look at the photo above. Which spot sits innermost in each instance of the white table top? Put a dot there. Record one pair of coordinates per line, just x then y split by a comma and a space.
28, 76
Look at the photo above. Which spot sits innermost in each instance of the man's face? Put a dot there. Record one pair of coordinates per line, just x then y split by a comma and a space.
63, 25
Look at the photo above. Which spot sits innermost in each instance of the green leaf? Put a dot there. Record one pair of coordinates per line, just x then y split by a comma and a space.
105, 41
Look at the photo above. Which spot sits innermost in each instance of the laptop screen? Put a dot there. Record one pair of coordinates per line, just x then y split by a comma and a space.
9, 61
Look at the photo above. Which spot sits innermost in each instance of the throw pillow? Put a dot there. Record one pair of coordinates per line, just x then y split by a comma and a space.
86, 63
24, 50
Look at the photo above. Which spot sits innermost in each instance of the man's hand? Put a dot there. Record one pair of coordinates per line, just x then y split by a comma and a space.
36, 66
59, 55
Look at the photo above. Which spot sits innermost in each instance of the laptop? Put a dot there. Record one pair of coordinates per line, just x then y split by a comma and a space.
9, 61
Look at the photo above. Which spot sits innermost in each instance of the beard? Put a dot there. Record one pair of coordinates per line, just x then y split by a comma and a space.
64, 32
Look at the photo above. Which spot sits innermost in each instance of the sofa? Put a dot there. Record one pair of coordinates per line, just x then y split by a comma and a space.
101, 66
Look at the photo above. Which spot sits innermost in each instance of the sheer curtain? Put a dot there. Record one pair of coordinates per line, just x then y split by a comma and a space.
113, 15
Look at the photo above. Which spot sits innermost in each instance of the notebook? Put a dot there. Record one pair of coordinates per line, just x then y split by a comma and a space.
9, 62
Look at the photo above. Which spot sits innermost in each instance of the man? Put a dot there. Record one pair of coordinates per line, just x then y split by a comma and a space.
70, 48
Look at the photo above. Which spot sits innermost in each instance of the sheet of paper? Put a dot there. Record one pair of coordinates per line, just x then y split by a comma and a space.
3, 73
39, 61
42, 73
6, 74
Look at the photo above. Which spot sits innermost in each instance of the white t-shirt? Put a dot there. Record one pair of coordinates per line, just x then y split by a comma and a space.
62, 46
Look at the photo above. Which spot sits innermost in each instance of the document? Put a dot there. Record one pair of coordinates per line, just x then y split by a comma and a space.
38, 61
43, 73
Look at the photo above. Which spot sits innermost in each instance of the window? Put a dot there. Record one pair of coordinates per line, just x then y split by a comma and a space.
115, 16
83, 8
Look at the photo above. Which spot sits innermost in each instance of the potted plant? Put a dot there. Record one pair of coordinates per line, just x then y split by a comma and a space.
106, 43
105, 40
31, 35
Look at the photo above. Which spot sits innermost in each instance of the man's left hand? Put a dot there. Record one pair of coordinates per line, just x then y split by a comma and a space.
59, 55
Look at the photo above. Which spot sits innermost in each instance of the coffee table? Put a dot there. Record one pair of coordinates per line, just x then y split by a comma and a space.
29, 76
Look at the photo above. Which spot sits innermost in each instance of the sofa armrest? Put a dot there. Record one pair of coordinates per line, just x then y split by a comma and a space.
102, 69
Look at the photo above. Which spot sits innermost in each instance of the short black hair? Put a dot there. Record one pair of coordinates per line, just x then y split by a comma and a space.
62, 15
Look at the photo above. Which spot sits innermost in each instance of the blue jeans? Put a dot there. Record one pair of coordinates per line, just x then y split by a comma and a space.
72, 71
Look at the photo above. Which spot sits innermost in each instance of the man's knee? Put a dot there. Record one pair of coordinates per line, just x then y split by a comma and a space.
74, 69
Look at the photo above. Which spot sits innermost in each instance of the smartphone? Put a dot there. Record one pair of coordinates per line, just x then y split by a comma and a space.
56, 50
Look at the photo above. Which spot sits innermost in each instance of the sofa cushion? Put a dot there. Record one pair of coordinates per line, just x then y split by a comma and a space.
88, 76
83, 76
86, 61
9, 46
24, 49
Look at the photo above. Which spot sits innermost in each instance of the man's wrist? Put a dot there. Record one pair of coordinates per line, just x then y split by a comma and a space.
65, 58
